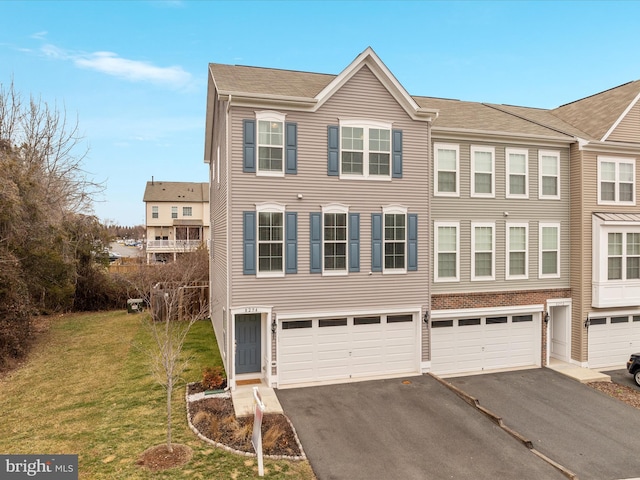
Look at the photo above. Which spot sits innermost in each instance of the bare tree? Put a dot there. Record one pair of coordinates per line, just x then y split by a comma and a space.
178, 297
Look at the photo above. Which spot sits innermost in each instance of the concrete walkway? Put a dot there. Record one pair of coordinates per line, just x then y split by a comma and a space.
581, 374
243, 401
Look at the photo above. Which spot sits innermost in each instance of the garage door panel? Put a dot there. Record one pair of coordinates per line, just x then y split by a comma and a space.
610, 344
356, 349
465, 347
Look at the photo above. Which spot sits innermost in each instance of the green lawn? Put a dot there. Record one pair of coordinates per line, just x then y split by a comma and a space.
87, 390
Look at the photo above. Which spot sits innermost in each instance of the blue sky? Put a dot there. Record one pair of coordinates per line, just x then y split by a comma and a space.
134, 73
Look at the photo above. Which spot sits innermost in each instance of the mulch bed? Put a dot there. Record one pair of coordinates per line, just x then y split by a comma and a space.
160, 458
628, 395
215, 419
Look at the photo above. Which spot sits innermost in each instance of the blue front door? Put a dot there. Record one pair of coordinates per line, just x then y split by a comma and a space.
248, 343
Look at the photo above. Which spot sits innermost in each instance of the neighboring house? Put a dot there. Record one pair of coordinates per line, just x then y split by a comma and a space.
500, 209
320, 268
362, 232
177, 218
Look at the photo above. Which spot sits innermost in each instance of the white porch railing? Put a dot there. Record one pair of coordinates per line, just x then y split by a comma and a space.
173, 245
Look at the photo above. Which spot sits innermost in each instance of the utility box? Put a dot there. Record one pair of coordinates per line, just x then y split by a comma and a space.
135, 305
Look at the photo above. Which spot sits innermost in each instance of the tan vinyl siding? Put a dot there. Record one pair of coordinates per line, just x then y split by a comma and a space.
466, 209
363, 97
628, 130
580, 254
219, 241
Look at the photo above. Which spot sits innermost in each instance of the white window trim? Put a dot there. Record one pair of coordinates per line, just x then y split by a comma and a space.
335, 208
174, 209
271, 208
507, 275
436, 277
155, 212
366, 125
516, 151
446, 146
492, 151
184, 212
548, 153
541, 225
270, 116
475, 277
395, 210
617, 161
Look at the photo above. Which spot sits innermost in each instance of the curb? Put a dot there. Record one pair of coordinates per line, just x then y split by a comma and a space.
475, 403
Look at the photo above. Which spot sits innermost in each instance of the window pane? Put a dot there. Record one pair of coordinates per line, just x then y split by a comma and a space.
626, 192
446, 265
352, 138
483, 183
379, 163
614, 268
517, 163
608, 191
379, 140
352, 162
483, 161
517, 238
626, 172
549, 166
633, 243
483, 264
549, 263
270, 133
549, 238
608, 171
446, 181
550, 186
615, 243
394, 227
517, 184
447, 239
517, 263
270, 158
633, 268
446, 160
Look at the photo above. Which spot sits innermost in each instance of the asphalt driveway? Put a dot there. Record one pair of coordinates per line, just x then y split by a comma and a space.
583, 429
386, 430
622, 377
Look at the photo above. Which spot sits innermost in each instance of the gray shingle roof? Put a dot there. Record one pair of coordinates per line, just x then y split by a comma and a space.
176, 192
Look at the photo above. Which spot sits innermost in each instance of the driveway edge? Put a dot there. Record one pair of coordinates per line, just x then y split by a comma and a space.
498, 421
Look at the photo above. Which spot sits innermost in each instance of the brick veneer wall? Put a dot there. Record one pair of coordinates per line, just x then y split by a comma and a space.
450, 301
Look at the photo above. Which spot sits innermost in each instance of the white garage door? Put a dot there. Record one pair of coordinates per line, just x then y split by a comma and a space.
333, 349
612, 340
484, 343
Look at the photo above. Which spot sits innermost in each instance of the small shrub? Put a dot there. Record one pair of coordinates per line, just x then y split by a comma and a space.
244, 431
214, 427
213, 378
202, 417
272, 435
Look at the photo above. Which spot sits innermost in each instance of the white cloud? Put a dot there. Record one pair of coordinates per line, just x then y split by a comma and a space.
39, 35
132, 70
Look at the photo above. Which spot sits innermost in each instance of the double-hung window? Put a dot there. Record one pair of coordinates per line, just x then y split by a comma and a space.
335, 239
549, 239
187, 211
616, 180
174, 212
270, 241
270, 143
483, 244
517, 251
447, 247
395, 239
623, 256
549, 174
446, 178
517, 173
365, 149
154, 211
482, 171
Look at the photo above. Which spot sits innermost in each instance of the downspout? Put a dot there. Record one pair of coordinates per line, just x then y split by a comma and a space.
430, 240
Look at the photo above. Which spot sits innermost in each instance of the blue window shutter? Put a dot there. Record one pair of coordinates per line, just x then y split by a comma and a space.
249, 242
333, 145
412, 242
249, 146
376, 242
354, 242
397, 154
315, 221
292, 148
291, 225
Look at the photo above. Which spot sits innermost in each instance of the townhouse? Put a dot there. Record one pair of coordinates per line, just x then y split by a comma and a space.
361, 232
176, 218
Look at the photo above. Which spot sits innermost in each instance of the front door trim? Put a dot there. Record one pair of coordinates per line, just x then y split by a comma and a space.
552, 303
266, 315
